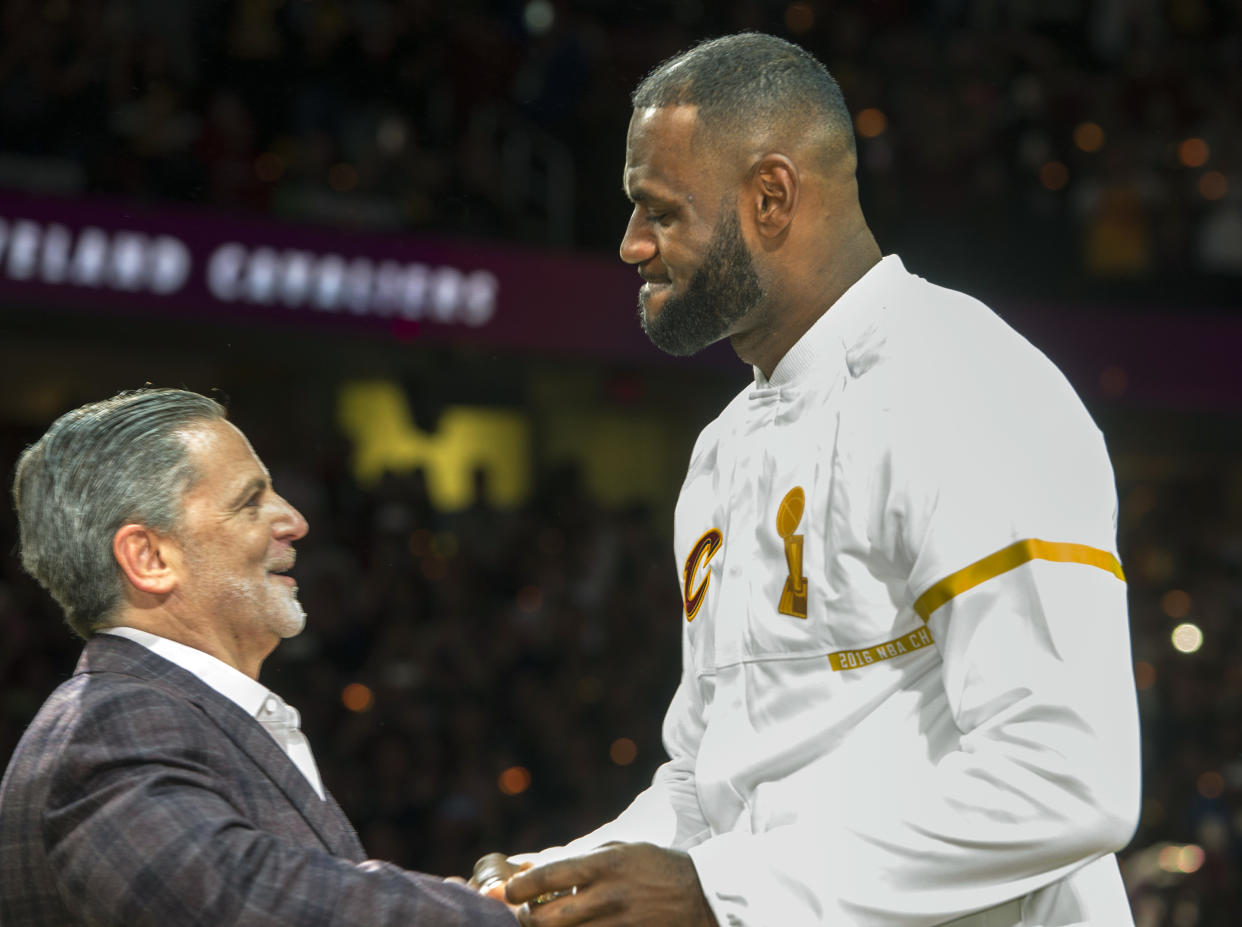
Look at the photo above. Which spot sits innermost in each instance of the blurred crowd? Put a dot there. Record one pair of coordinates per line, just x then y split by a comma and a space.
1049, 141
1181, 543
496, 678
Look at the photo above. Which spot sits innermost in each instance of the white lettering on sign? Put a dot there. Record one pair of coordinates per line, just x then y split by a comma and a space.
140, 262
360, 286
122, 260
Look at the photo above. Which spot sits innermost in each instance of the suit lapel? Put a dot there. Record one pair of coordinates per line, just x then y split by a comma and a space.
109, 653
323, 815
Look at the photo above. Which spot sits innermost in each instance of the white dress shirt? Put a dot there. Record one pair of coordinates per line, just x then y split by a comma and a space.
278, 718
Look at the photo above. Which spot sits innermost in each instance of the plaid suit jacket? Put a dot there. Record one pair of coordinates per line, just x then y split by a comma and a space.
141, 796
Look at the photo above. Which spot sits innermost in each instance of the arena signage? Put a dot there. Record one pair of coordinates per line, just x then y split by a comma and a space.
332, 282
107, 255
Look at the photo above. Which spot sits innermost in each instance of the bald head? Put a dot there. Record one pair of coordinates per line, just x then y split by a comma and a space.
754, 91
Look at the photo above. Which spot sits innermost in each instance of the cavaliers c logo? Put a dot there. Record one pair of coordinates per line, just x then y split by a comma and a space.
793, 597
701, 553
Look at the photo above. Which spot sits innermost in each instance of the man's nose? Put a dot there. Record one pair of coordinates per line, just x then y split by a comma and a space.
289, 524
637, 244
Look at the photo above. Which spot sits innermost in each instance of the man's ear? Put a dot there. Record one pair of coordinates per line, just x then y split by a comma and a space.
774, 188
143, 556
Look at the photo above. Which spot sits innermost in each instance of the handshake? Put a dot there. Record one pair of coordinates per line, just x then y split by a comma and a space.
618, 885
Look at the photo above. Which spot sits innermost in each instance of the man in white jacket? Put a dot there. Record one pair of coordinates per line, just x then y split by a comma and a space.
906, 696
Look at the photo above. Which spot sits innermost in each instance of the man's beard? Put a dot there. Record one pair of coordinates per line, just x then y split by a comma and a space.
721, 291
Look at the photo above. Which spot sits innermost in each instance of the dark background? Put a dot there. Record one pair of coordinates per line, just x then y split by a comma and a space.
1076, 163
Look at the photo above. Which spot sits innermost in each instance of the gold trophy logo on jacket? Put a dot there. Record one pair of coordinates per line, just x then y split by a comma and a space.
788, 517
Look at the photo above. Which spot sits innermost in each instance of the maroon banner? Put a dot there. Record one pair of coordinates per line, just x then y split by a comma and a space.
115, 255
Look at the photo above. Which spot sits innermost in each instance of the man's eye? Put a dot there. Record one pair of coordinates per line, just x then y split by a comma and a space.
662, 218
253, 501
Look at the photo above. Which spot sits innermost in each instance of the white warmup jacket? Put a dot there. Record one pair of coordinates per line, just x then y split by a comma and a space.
907, 694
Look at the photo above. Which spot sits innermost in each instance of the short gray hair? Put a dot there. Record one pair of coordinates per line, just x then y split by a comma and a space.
99, 467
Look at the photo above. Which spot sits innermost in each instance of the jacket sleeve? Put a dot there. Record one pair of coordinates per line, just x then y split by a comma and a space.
1007, 543
142, 831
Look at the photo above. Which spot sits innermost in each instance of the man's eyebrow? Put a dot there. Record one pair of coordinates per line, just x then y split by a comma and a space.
645, 197
256, 484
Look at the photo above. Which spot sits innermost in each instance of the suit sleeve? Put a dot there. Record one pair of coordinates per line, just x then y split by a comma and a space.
141, 831
1005, 532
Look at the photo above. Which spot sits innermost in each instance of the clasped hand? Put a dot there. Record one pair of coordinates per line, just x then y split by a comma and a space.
619, 885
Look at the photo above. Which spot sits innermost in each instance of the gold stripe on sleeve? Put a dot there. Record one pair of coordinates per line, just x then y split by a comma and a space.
1005, 560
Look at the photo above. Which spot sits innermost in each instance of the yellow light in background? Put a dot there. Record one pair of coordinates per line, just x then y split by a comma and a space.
799, 18
1190, 858
1193, 152
870, 122
1176, 603
1088, 136
1177, 857
1210, 784
357, 697
376, 417
514, 781
1187, 638
623, 751
1054, 175
1213, 185
622, 458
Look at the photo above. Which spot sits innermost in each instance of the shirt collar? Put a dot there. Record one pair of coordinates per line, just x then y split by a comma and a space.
232, 683
839, 326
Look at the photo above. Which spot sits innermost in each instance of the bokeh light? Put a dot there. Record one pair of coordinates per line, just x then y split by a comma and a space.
623, 751
538, 16
1213, 185
357, 697
1187, 637
1190, 858
870, 122
1210, 784
799, 18
1176, 857
1144, 675
514, 781
1088, 136
1193, 152
1176, 603
1054, 175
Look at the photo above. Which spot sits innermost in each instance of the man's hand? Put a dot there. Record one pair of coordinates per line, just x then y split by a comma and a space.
491, 873
622, 885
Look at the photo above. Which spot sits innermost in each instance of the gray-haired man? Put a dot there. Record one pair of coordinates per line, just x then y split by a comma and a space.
163, 784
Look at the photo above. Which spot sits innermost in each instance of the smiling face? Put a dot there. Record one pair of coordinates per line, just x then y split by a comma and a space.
684, 236
235, 542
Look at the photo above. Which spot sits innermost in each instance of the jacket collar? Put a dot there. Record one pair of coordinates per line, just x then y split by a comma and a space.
107, 653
